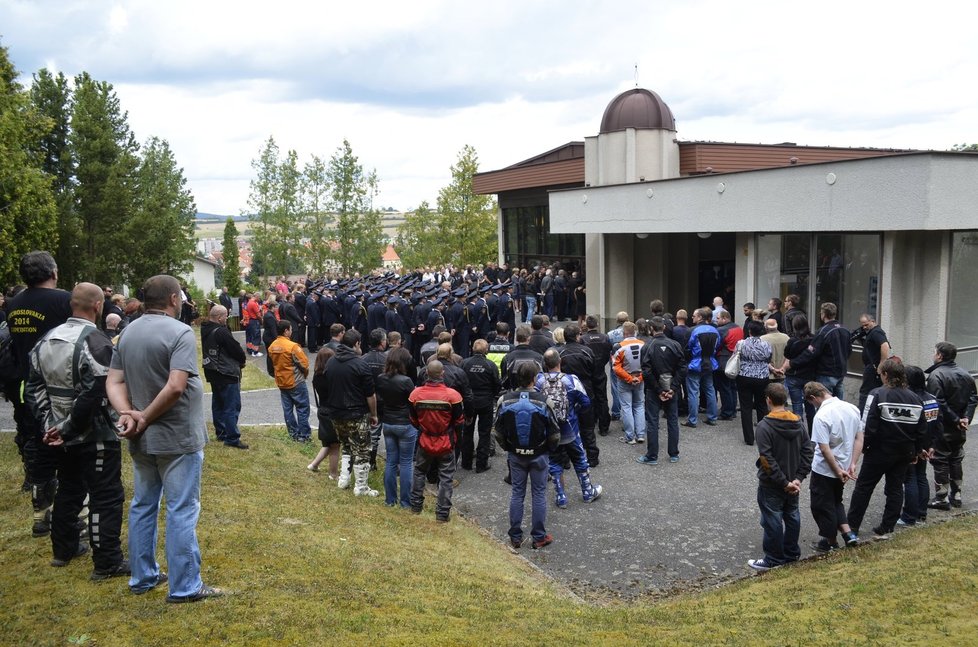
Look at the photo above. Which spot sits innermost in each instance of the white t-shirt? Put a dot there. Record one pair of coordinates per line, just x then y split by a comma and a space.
836, 424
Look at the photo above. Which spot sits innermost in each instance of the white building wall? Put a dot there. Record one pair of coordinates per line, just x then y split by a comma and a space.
929, 191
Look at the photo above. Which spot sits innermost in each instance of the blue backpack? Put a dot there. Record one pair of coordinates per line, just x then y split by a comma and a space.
523, 424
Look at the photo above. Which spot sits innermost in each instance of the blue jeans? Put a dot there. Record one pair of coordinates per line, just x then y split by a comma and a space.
548, 304
531, 309
399, 441
632, 397
652, 407
695, 380
615, 396
781, 522
295, 408
225, 408
833, 384
177, 476
728, 394
796, 389
916, 493
534, 467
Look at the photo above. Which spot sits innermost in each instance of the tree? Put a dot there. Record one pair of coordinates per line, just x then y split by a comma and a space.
358, 230
965, 147
161, 228
275, 212
104, 150
51, 97
316, 218
262, 203
419, 241
467, 219
28, 214
232, 264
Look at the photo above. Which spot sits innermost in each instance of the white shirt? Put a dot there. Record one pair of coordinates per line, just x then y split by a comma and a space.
836, 424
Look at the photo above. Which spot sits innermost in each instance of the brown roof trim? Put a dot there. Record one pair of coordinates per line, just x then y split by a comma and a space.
564, 172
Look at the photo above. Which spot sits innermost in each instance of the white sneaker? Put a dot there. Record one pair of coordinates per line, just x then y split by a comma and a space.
312, 468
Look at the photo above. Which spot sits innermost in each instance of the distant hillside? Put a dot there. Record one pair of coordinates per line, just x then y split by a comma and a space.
213, 217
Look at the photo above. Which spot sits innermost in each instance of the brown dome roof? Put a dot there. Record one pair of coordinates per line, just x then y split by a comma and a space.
637, 108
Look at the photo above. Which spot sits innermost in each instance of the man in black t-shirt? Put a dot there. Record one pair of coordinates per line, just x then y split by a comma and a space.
876, 348
31, 314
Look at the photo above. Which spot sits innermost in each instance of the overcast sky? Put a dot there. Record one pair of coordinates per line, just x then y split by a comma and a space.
410, 83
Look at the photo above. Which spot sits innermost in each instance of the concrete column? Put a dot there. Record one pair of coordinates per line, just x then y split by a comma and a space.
619, 275
499, 234
597, 295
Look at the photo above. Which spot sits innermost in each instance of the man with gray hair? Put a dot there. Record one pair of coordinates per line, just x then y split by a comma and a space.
154, 384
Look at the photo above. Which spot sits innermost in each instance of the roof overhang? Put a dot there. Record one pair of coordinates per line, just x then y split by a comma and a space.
917, 191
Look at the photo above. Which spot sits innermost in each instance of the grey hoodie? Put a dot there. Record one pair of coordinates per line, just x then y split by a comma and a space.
785, 449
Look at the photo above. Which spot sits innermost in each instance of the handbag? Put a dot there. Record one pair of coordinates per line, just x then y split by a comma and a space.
733, 364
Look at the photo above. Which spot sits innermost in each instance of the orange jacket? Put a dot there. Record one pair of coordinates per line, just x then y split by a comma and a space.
627, 361
290, 363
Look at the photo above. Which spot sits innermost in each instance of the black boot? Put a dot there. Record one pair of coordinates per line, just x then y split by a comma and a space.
42, 499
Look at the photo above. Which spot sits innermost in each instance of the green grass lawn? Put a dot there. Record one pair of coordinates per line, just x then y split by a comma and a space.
307, 564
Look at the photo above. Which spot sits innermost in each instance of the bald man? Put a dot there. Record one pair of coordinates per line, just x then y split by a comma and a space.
66, 394
436, 412
223, 360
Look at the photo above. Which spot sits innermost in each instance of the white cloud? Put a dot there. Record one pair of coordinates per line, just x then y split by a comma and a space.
410, 83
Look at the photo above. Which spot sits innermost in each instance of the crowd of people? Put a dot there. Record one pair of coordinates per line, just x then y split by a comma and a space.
435, 364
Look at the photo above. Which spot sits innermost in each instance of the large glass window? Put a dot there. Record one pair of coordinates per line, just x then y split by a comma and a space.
962, 305
527, 239
845, 267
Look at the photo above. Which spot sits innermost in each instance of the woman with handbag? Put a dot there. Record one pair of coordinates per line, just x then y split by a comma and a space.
752, 378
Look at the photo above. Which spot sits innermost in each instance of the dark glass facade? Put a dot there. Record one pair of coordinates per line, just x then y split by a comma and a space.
527, 240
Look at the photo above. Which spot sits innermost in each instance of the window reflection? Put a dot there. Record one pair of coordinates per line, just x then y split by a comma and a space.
845, 267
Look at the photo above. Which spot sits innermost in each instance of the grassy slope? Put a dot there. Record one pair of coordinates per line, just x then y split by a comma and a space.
307, 563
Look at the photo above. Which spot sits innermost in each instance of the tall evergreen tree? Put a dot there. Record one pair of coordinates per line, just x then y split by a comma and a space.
160, 231
104, 150
28, 215
51, 96
358, 230
232, 264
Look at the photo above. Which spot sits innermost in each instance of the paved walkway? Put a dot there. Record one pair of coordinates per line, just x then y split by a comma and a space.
656, 529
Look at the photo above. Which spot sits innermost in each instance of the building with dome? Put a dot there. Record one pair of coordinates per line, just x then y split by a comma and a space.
645, 215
